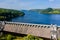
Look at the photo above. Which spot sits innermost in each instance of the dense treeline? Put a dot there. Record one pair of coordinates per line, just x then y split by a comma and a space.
48, 11
51, 11
7, 14
9, 36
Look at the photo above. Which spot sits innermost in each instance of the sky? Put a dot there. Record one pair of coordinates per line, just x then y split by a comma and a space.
29, 4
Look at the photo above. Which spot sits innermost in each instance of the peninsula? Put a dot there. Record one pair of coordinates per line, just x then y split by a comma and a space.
47, 11
7, 14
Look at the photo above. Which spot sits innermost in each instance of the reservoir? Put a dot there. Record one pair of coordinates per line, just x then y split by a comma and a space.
38, 18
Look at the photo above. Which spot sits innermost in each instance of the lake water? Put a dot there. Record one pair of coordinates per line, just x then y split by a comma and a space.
38, 18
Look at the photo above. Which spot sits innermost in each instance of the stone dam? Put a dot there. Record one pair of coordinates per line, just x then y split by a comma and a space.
40, 30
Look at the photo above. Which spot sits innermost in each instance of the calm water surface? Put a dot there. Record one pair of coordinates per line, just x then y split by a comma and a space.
38, 18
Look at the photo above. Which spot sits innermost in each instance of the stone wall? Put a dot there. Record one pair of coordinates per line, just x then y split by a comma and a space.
28, 28
33, 29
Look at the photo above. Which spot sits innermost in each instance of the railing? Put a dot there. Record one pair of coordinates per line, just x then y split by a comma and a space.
29, 24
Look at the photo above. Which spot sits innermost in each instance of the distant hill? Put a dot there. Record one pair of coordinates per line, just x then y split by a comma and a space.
37, 10
48, 10
7, 14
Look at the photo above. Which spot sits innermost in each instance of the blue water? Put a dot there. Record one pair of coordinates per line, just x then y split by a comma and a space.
38, 18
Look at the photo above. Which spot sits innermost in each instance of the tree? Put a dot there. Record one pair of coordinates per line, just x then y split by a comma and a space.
8, 14
49, 9
30, 37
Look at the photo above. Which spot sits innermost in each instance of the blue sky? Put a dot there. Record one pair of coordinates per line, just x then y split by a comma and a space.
29, 4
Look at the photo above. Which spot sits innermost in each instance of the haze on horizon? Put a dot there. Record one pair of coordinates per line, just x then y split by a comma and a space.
29, 4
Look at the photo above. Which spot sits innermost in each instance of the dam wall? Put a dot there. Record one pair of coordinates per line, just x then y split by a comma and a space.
39, 30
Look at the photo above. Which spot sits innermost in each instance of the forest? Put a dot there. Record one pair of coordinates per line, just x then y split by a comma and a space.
14, 36
47, 11
8, 14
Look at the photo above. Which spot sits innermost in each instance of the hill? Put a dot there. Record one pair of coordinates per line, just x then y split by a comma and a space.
7, 14
47, 11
